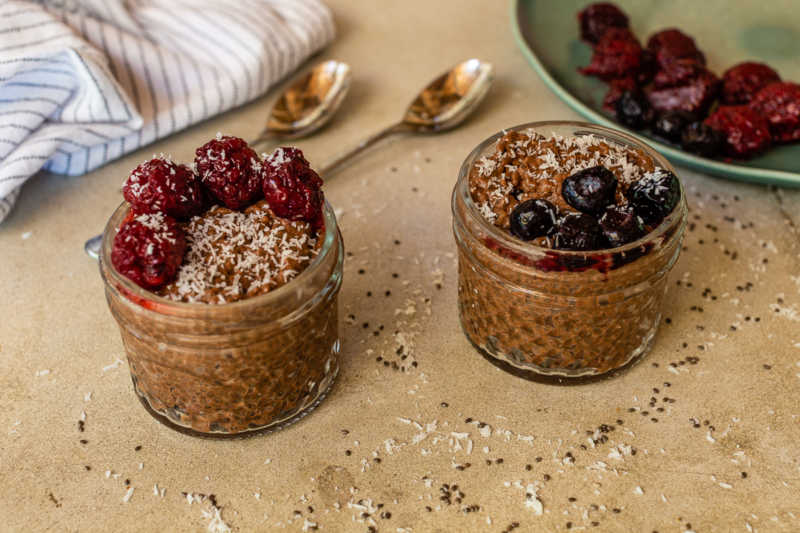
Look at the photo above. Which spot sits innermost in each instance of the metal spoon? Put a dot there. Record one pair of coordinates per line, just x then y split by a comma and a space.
443, 104
307, 105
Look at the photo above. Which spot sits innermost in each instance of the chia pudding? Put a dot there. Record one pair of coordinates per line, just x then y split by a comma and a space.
566, 233
228, 314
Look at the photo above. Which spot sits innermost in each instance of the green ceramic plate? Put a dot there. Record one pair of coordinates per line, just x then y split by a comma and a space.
727, 32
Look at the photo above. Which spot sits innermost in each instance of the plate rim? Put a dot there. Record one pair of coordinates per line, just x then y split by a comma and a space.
738, 173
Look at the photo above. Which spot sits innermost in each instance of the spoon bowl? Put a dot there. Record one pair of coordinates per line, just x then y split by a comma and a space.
308, 103
448, 100
445, 103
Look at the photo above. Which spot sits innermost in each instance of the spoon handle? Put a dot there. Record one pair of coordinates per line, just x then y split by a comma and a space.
333, 164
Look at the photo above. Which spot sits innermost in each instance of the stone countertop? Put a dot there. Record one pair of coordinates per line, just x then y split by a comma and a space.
733, 302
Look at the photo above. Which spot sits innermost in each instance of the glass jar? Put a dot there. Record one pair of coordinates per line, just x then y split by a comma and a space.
233, 370
556, 316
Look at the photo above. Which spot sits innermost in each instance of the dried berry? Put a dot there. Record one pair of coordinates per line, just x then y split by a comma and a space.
617, 55
744, 133
164, 186
149, 249
230, 171
621, 226
780, 104
668, 45
684, 85
700, 139
532, 219
578, 232
599, 17
633, 110
590, 190
292, 188
741, 82
655, 195
616, 88
670, 125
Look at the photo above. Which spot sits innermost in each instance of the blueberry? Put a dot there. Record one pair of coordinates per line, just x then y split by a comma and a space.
590, 190
655, 195
578, 232
633, 110
532, 219
700, 139
621, 226
671, 124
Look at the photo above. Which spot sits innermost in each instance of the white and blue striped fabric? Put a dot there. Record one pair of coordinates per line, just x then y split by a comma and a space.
83, 82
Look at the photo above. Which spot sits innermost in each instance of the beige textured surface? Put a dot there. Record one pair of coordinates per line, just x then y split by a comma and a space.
53, 317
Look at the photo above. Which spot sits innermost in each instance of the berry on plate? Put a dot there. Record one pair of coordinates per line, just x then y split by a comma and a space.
597, 18
743, 131
780, 104
741, 82
617, 55
668, 45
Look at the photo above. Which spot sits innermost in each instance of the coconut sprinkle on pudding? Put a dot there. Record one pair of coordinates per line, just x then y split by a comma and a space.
571, 193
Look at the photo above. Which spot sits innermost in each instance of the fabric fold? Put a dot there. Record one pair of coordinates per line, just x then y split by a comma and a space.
84, 82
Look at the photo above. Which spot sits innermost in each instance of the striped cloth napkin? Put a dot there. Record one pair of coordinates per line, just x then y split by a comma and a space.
83, 82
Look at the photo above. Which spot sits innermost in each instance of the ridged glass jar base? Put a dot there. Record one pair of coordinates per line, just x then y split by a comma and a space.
173, 419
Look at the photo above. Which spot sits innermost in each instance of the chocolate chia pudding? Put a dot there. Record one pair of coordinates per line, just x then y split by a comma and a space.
242, 337
545, 298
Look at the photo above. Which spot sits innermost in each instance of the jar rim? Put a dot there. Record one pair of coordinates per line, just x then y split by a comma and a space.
579, 129
164, 304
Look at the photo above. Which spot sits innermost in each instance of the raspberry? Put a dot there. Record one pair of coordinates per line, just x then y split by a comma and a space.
668, 45
684, 85
780, 104
599, 17
617, 55
148, 250
292, 188
230, 171
164, 186
741, 82
744, 132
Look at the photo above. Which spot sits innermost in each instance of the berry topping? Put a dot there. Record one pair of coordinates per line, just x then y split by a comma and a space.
684, 85
668, 45
655, 195
590, 190
633, 110
292, 188
743, 131
148, 250
230, 171
780, 104
621, 226
578, 232
164, 186
532, 219
741, 82
617, 55
700, 139
599, 17
670, 125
